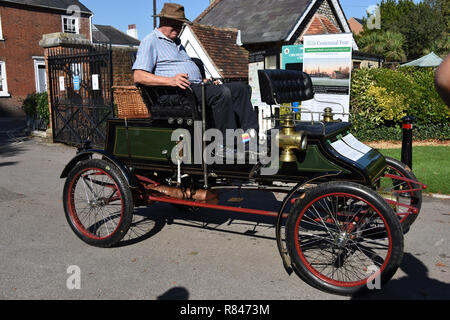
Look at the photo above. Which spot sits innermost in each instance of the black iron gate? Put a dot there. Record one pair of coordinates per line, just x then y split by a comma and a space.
80, 82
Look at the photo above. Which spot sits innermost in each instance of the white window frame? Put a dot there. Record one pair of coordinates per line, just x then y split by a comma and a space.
38, 61
4, 91
77, 24
1, 31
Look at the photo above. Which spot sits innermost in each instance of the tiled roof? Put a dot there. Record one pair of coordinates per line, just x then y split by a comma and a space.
356, 25
54, 4
220, 44
321, 25
259, 20
106, 34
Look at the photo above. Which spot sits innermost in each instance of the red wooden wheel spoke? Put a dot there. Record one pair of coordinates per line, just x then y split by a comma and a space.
95, 204
339, 237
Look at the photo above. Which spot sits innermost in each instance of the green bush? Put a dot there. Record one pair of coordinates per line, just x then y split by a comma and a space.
36, 104
42, 107
381, 97
29, 105
368, 132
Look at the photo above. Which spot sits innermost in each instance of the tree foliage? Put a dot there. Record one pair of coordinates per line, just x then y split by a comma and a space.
423, 26
388, 44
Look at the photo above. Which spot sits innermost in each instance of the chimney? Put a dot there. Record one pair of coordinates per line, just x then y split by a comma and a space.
132, 31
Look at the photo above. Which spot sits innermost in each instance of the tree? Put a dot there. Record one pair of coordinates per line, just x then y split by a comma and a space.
441, 46
393, 46
388, 44
424, 26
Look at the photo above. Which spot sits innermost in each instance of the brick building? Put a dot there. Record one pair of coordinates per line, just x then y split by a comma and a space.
22, 25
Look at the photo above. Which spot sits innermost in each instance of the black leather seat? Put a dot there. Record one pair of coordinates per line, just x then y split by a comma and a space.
281, 86
165, 103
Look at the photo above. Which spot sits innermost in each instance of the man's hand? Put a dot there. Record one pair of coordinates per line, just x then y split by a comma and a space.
181, 80
211, 81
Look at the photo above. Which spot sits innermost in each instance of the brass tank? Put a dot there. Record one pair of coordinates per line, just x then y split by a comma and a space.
289, 140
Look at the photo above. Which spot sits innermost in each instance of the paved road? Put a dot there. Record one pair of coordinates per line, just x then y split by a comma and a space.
168, 254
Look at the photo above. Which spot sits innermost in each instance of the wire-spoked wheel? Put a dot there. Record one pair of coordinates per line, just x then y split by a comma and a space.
343, 236
404, 196
98, 203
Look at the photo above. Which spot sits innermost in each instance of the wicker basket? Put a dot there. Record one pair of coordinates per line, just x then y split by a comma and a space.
130, 104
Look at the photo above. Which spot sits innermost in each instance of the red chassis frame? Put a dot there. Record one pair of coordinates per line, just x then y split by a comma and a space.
147, 184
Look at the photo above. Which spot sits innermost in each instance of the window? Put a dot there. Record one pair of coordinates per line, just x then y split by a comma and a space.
271, 62
40, 74
3, 84
77, 70
70, 24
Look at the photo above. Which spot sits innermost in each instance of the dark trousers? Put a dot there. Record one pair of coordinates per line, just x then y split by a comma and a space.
229, 102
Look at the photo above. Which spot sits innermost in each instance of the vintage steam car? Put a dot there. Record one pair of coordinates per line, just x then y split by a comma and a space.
346, 209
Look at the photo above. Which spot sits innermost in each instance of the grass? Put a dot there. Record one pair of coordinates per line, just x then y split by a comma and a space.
431, 166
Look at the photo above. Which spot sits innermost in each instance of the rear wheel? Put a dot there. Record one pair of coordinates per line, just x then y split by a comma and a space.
405, 197
342, 237
98, 203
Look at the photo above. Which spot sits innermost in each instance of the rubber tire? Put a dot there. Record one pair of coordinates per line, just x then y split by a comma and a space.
392, 223
126, 195
407, 173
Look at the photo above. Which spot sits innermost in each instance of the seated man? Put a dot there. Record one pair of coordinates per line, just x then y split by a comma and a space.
162, 61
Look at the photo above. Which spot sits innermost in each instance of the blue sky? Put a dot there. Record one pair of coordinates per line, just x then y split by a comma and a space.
120, 14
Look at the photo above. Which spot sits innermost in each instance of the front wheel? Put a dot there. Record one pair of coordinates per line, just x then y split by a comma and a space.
98, 203
404, 196
342, 237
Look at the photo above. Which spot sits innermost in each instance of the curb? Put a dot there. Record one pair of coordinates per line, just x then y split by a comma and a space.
40, 134
438, 196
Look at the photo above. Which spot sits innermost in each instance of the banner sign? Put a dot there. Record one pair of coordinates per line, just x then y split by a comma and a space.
291, 55
327, 60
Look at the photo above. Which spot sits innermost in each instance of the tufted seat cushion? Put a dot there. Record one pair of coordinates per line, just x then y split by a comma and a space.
169, 102
281, 86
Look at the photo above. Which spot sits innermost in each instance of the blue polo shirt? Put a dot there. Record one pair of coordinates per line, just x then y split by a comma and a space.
162, 56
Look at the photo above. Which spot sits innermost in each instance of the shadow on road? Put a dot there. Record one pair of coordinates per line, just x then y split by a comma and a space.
176, 293
12, 134
6, 164
416, 285
10, 149
148, 221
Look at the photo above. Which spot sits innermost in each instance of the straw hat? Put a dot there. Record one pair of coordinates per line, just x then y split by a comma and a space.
173, 11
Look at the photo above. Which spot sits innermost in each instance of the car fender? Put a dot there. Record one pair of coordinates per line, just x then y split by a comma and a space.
88, 154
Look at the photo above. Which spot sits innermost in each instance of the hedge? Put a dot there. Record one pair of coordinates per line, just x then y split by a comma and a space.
380, 98
36, 105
